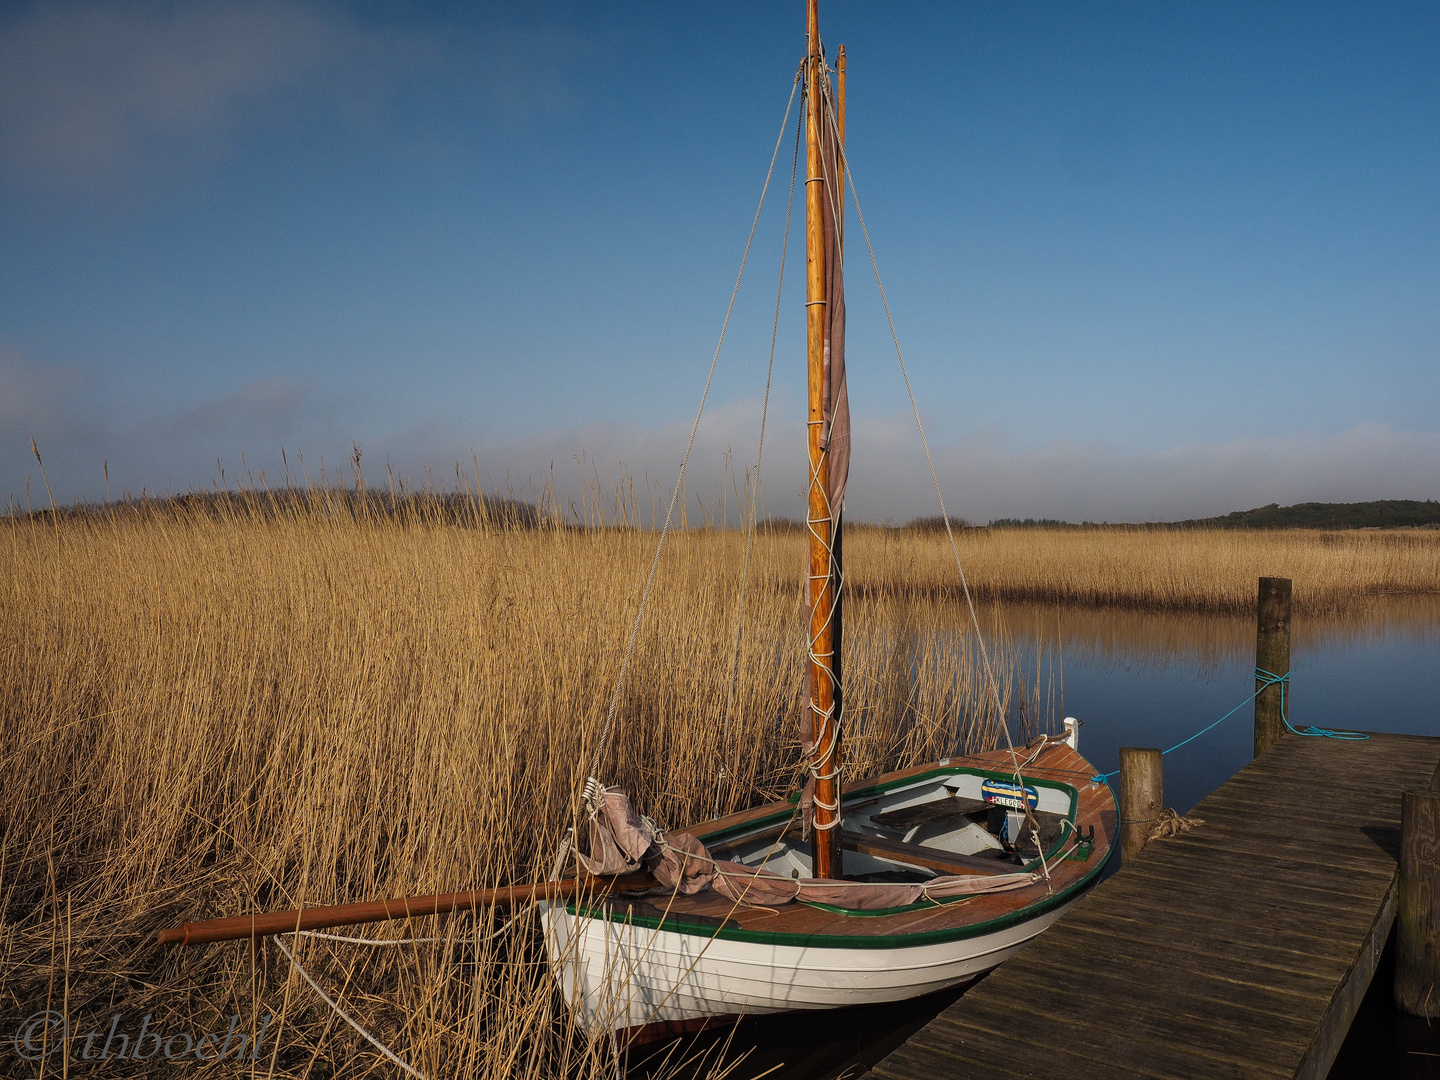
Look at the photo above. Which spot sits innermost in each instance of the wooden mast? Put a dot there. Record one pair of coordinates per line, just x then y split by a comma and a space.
827, 861
840, 161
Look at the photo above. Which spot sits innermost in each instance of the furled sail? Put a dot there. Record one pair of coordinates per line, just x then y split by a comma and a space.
836, 412
837, 400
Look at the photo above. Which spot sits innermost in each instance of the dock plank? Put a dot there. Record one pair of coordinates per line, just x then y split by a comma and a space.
1238, 950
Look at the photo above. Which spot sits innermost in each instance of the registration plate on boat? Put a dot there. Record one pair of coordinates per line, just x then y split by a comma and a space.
1005, 793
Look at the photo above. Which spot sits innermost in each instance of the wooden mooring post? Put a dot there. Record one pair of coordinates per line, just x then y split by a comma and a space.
1142, 796
1417, 908
1272, 654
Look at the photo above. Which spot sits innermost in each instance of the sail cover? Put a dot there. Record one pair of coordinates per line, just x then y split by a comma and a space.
622, 842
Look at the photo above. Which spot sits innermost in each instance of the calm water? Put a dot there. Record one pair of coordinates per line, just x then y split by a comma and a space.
1141, 680
1157, 680
1154, 680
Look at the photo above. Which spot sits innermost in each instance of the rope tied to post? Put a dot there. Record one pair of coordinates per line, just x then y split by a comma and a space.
1266, 679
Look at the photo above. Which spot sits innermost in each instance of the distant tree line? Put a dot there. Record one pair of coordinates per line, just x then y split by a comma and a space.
1036, 523
1379, 514
473, 508
416, 507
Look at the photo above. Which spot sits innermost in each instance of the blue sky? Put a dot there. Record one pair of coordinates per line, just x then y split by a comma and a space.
1146, 261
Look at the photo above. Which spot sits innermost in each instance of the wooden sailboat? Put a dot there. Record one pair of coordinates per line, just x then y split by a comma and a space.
880, 890
896, 886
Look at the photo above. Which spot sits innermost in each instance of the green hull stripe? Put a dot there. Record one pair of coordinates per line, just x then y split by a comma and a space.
843, 941
868, 941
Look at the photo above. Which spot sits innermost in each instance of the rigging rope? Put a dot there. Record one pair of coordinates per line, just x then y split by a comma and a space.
1000, 713
759, 455
934, 476
609, 727
340, 1012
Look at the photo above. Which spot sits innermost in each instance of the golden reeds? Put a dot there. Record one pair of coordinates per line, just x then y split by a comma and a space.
220, 706
1155, 569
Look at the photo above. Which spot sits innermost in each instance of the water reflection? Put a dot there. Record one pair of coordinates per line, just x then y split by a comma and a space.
1154, 679
1133, 639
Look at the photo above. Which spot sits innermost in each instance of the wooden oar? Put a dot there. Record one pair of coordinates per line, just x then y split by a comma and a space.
406, 907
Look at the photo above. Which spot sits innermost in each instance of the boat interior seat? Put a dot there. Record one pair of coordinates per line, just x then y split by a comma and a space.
911, 817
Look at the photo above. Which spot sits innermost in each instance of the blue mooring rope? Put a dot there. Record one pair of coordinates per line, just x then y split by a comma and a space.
1325, 733
1266, 679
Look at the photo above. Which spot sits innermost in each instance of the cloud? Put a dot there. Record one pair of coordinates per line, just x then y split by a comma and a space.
65, 410
983, 475
88, 90
30, 394
97, 93
265, 410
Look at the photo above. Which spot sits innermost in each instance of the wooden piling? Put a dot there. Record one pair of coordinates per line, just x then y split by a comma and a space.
1142, 796
1417, 909
1272, 654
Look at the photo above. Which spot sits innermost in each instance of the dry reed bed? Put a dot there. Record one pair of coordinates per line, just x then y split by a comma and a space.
1202, 570
210, 713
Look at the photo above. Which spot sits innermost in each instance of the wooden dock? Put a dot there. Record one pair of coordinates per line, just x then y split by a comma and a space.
1239, 950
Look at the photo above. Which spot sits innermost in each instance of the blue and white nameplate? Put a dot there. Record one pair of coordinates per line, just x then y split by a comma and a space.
1006, 793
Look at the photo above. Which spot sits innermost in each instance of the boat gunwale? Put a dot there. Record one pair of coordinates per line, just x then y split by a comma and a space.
678, 923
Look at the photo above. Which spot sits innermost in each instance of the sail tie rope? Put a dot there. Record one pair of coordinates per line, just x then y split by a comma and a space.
827, 732
609, 727
1266, 679
828, 721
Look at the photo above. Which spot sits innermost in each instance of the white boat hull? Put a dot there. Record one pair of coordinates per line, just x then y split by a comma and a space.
615, 975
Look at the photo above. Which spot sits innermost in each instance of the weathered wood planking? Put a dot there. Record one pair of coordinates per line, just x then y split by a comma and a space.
1241, 949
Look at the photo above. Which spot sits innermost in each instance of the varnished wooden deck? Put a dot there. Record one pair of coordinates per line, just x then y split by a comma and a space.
1241, 949
1095, 813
